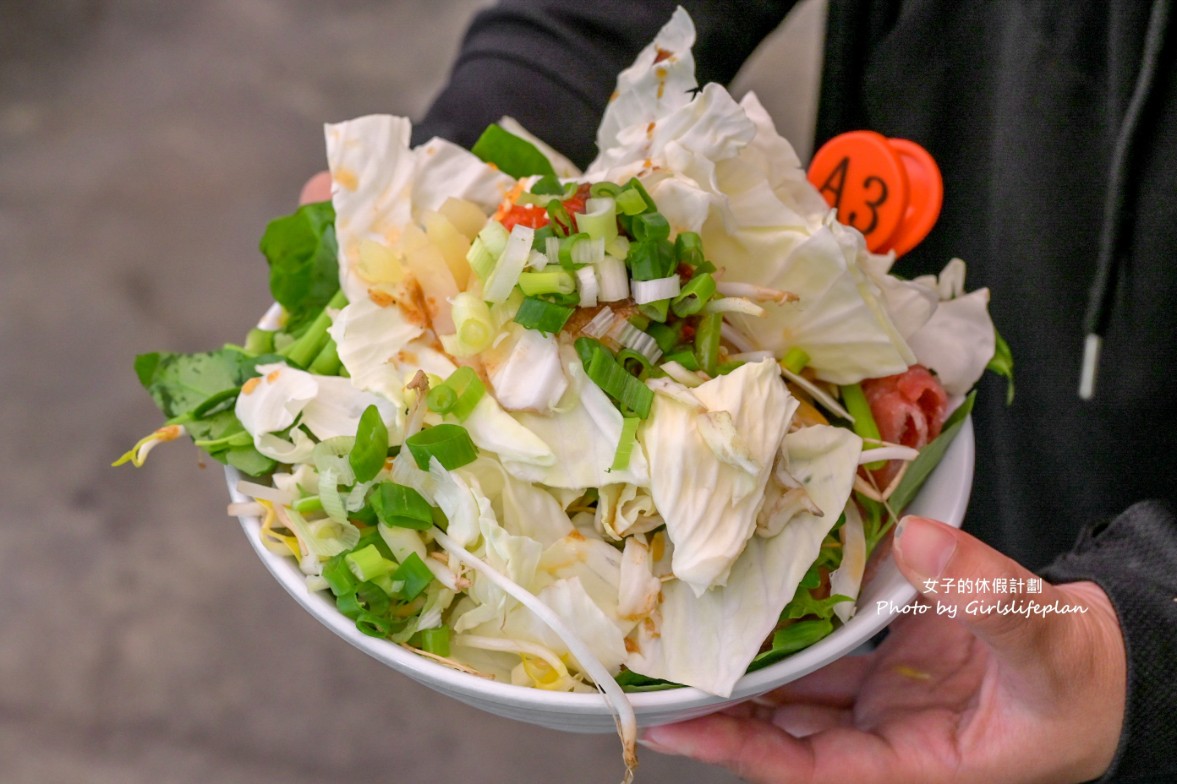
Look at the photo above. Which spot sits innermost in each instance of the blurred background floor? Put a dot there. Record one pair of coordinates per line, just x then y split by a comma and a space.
143, 148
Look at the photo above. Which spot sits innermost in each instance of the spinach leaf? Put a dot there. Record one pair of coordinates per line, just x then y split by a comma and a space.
304, 261
195, 390
511, 154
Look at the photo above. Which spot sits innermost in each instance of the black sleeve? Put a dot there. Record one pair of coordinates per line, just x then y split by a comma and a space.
553, 65
1134, 559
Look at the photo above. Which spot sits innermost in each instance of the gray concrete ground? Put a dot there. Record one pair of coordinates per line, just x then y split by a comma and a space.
143, 147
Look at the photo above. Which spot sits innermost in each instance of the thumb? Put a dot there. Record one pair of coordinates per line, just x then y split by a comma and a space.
1001, 602
317, 188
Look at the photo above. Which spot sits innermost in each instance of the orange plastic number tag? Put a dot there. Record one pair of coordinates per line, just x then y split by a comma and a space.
888, 189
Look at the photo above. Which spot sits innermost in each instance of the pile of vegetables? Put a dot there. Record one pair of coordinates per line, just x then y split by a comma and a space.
499, 400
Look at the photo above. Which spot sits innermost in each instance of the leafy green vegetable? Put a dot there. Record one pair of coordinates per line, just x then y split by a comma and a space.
1003, 365
631, 681
182, 383
511, 154
370, 450
303, 257
929, 457
196, 390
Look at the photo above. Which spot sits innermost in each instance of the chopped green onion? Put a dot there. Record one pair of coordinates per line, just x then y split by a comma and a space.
685, 357
474, 328
599, 220
600, 323
566, 254
634, 362
625, 444
414, 576
688, 249
665, 336
559, 219
650, 226
339, 576
441, 399
604, 189
540, 240
656, 311
651, 259
864, 421
449, 443
697, 292
618, 247
401, 506
463, 390
366, 563
374, 625
630, 202
586, 348
435, 641
588, 251
613, 279
707, 336
723, 368
636, 185
487, 246
547, 317
505, 275
587, 285
633, 338
308, 505
370, 450
605, 371
639, 321
536, 260
647, 291
795, 359
557, 281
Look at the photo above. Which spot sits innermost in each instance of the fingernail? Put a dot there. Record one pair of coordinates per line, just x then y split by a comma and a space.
925, 546
656, 745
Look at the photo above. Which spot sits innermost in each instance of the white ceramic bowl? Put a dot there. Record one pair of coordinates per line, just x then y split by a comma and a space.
943, 497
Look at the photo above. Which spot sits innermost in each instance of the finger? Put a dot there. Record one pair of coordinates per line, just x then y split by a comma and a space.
317, 188
762, 752
1003, 604
836, 684
797, 719
801, 720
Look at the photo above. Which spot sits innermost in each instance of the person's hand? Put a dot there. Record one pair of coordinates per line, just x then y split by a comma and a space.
975, 698
317, 188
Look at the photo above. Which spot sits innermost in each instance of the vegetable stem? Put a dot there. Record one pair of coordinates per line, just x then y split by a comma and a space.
306, 348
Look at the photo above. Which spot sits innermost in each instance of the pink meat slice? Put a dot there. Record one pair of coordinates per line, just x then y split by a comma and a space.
909, 409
